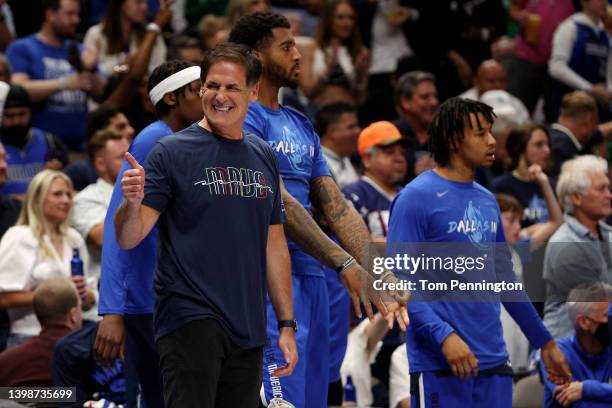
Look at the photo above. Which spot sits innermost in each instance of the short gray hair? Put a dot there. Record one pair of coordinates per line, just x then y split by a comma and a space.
581, 299
575, 178
408, 82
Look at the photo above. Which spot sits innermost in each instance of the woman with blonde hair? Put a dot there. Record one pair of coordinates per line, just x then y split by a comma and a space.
38, 247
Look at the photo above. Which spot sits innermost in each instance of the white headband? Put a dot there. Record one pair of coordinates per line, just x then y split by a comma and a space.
173, 82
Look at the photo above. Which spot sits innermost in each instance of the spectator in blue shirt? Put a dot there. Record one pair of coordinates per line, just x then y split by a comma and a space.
42, 64
28, 149
587, 352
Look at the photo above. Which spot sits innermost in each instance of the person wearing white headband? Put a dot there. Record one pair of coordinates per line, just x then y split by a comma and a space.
126, 281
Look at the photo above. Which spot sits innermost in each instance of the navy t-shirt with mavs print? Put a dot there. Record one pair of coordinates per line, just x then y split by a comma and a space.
216, 199
432, 209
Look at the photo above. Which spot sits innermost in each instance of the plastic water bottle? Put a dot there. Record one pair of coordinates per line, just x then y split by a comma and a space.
350, 394
76, 263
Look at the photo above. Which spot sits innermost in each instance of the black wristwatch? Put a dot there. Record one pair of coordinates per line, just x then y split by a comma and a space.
288, 323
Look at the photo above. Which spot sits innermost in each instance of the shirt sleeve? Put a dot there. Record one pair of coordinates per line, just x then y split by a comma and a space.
319, 165
558, 68
407, 227
19, 58
278, 211
114, 263
596, 391
517, 303
88, 212
17, 258
158, 187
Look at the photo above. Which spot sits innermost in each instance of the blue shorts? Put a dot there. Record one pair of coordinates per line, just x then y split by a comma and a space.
307, 386
432, 390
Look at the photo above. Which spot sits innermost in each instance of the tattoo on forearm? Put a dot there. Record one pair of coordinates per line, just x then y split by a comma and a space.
305, 232
325, 195
343, 219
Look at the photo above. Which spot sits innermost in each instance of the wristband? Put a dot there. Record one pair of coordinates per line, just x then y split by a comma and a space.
154, 27
346, 264
288, 323
62, 83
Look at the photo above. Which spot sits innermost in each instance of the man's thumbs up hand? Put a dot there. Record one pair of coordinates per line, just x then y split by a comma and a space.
133, 181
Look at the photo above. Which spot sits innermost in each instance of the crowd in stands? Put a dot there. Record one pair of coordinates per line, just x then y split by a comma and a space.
74, 94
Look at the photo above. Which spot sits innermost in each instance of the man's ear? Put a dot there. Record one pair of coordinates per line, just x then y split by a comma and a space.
170, 99
404, 103
254, 92
99, 163
576, 199
259, 55
582, 323
73, 316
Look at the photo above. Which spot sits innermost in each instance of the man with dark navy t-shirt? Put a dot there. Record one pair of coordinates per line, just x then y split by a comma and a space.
216, 194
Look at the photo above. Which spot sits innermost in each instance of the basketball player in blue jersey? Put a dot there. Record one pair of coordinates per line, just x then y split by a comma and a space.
126, 279
456, 350
308, 184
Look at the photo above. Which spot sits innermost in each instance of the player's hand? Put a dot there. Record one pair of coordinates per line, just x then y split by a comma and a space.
557, 368
460, 358
286, 343
352, 279
132, 183
110, 339
390, 303
567, 394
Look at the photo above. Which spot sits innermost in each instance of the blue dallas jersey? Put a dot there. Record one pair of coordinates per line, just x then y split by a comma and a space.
595, 373
24, 164
298, 149
122, 292
433, 209
589, 57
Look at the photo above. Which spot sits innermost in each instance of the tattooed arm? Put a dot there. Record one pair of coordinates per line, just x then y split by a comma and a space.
305, 232
353, 234
341, 217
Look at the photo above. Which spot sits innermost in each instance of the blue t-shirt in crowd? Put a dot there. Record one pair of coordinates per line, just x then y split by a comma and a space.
298, 149
528, 194
126, 279
24, 164
594, 371
63, 113
216, 198
434, 209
